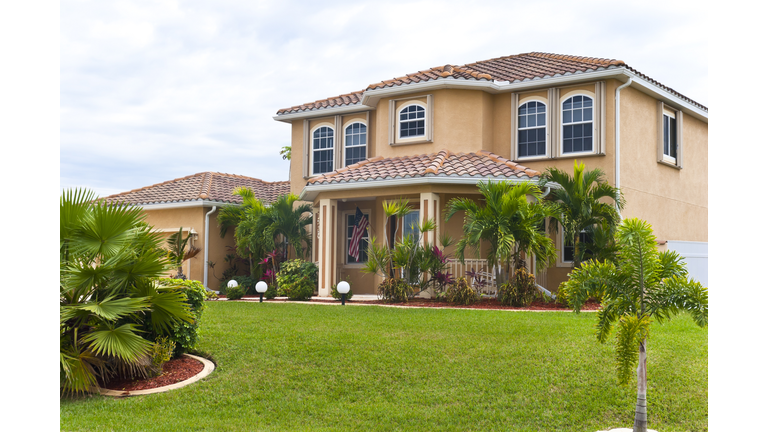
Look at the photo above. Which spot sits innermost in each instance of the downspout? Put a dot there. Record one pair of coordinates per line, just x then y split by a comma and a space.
617, 137
205, 251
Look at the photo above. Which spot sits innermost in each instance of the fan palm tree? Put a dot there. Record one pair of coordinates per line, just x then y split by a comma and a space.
580, 202
108, 257
642, 284
508, 222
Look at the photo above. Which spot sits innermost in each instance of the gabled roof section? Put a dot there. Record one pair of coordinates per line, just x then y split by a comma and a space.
479, 165
204, 186
510, 69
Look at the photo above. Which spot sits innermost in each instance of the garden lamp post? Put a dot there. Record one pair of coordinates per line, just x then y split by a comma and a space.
261, 288
343, 289
232, 284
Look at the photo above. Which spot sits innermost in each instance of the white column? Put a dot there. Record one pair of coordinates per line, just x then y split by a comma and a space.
327, 240
429, 208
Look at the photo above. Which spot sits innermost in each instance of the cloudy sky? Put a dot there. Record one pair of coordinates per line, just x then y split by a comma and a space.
156, 90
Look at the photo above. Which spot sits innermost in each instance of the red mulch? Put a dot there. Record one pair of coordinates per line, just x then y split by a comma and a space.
491, 303
175, 370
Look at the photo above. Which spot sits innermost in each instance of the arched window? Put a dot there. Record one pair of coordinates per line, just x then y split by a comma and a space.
532, 129
355, 143
577, 124
322, 150
412, 121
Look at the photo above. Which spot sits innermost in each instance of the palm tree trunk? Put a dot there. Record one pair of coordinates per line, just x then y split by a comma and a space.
641, 413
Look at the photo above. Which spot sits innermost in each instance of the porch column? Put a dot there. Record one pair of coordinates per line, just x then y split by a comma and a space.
328, 213
429, 206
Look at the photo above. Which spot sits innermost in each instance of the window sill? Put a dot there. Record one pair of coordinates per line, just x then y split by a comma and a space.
577, 155
354, 266
533, 158
669, 163
400, 142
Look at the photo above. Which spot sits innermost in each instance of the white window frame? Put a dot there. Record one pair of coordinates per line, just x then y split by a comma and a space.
312, 148
667, 137
546, 129
348, 239
563, 100
399, 121
561, 257
346, 145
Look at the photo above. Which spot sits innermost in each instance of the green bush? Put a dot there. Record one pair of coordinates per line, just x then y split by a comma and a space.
336, 294
461, 293
161, 351
297, 279
211, 295
395, 290
520, 291
248, 284
235, 293
184, 334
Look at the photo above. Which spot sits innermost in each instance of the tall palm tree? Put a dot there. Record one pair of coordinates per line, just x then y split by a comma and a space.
508, 222
108, 257
580, 202
643, 284
259, 227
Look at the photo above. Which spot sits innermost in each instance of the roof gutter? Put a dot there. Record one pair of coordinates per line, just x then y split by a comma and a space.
617, 156
310, 191
371, 97
182, 204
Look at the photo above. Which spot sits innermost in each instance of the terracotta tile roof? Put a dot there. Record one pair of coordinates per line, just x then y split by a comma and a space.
480, 165
210, 186
514, 68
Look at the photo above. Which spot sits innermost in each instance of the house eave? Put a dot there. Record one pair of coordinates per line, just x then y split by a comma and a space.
310, 192
372, 97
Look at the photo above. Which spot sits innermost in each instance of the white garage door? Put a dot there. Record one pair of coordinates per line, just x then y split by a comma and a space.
695, 255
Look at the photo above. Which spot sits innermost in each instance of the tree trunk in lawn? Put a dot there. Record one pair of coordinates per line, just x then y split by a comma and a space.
641, 413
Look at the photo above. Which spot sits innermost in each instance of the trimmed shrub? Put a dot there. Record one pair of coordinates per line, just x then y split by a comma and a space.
248, 284
184, 334
297, 279
235, 293
461, 293
337, 296
520, 291
395, 290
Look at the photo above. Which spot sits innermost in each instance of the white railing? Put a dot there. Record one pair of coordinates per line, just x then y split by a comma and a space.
480, 267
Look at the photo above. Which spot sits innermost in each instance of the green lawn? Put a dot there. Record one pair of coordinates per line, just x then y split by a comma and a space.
293, 367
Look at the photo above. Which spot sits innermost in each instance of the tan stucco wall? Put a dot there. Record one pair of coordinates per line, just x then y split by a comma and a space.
195, 217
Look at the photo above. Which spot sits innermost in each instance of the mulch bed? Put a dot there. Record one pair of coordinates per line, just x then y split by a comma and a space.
490, 303
174, 370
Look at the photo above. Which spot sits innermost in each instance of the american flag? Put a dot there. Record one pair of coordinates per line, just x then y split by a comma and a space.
361, 224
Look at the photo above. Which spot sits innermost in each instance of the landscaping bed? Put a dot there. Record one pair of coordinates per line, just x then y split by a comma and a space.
174, 370
489, 303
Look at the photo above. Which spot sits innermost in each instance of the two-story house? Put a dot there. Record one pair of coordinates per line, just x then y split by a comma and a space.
432, 135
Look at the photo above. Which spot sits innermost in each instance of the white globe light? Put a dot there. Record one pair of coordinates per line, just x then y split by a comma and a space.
261, 287
232, 283
342, 287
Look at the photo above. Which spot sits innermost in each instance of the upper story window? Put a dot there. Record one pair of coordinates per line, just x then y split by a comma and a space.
532, 129
355, 143
577, 124
412, 119
670, 136
322, 150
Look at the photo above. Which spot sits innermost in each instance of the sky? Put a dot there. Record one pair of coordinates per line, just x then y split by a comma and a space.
156, 90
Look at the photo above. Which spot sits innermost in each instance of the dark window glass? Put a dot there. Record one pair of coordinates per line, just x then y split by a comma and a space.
584, 237
412, 121
532, 131
322, 153
363, 245
577, 124
355, 143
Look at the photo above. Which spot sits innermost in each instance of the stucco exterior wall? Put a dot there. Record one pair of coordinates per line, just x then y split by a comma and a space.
194, 217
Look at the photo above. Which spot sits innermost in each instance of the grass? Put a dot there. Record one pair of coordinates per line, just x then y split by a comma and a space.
294, 367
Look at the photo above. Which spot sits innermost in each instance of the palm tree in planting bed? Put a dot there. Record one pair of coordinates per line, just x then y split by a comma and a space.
641, 285
178, 252
508, 222
578, 203
108, 299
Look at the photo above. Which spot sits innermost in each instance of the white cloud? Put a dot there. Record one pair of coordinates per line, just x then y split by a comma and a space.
152, 91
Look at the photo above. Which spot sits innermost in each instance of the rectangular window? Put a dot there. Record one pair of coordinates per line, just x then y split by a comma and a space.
568, 249
670, 136
531, 129
362, 244
411, 225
